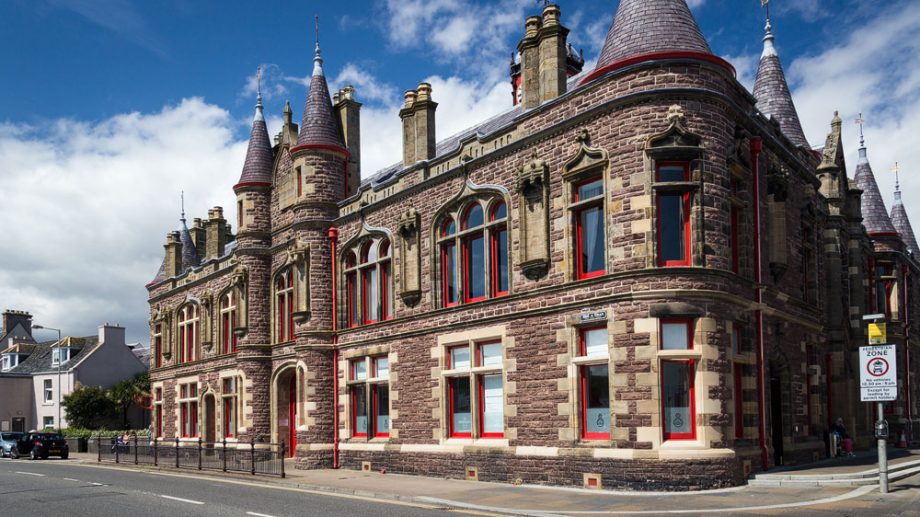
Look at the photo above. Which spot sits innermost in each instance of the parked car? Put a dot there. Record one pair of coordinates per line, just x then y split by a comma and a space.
8, 444
42, 445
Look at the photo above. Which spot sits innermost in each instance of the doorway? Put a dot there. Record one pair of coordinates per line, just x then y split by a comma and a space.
286, 409
776, 419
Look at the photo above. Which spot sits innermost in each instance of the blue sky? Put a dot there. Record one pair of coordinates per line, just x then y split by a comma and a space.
111, 107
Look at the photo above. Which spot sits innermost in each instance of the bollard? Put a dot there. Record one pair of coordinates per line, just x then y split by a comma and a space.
116, 450
135, 449
282, 458
225, 454
199, 453
154, 452
99, 449
252, 454
177, 452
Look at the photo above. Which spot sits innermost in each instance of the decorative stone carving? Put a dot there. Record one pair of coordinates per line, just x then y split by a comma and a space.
239, 280
533, 191
162, 317
676, 142
205, 320
299, 260
586, 159
410, 258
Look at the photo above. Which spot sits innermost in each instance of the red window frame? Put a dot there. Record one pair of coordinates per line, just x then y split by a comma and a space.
375, 412
354, 410
496, 249
450, 349
583, 397
482, 406
228, 319
368, 268
691, 373
284, 295
675, 321
188, 333
383, 258
466, 272
451, 388
157, 345
158, 404
579, 242
229, 407
188, 411
582, 341
739, 401
448, 275
687, 260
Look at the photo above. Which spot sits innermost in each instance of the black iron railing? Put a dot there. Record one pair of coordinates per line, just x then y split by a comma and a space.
249, 457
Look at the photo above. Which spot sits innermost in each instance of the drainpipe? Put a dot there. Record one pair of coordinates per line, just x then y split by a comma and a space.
333, 238
756, 148
906, 318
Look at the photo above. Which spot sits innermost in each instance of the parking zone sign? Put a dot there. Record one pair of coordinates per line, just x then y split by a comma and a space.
878, 373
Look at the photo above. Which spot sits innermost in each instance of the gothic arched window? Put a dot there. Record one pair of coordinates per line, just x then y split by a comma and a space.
189, 332
369, 282
229, 320
284, 306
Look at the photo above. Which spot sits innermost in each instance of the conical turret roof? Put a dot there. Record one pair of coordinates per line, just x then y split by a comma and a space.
319, 125
875, 215
161, 273
648, 26
257, 169
901, 223
190, 257
772, 92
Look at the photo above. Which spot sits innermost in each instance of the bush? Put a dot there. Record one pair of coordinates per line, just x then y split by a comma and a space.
88, 407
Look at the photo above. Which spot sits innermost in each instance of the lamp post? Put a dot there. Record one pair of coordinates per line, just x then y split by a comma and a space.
40, 327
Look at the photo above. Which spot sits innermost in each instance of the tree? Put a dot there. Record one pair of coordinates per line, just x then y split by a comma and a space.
128, 392
88, 407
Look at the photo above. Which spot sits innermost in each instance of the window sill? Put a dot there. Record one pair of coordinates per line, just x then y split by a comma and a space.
590, 359
693, 353
478, 442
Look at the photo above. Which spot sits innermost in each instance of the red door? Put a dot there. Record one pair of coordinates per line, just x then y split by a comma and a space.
292, 414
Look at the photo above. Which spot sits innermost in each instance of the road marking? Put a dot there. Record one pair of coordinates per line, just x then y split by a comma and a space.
97, 484
259, 514
30, 474
71, 479
189, 501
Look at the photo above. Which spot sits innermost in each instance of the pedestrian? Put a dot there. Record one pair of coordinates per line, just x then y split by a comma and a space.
843, 437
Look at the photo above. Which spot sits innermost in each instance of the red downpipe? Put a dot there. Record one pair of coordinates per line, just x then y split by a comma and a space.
756, 148
333, 239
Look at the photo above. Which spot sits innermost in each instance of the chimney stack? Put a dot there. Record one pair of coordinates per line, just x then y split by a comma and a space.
407, 114
199, 237
349, 113
419, 141
13, 318
216, 229
544, 63
173, 254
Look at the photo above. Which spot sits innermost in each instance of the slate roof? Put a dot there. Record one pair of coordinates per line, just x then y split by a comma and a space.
647, 26
258, 165
189, 251
319, 126
902, 224
772, 93
40, 359
875, 215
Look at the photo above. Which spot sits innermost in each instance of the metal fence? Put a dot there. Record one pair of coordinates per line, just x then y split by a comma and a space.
249, 457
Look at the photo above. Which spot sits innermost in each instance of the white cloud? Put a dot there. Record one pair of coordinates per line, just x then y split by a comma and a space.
695, 3
366, 84
87, 207
874, 70
273, 83
746, 68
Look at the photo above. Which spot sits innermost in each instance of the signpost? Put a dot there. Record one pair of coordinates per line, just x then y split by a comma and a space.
878, 382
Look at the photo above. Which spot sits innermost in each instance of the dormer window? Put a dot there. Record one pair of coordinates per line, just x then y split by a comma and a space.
10, 361
60, 356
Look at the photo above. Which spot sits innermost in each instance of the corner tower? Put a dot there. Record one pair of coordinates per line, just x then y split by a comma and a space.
772, 92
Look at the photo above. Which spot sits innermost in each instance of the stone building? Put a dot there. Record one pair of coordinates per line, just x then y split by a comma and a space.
640, 276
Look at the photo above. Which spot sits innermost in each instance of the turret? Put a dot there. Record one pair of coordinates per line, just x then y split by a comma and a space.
901, 222
875, 215
253, 197
772, 92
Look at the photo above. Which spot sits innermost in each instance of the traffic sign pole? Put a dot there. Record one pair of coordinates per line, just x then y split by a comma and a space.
882, 452
878, 383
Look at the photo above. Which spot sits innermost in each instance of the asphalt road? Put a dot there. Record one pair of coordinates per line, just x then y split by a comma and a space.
52, 488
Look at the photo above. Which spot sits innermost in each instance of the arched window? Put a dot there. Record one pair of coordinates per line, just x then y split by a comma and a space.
189, 337
480, 270
369, 283
228, 321
284, 306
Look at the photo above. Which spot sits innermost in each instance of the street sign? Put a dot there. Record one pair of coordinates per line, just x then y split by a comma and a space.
878, 378
877, 334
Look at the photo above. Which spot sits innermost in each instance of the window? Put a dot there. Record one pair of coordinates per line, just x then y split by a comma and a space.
188, 410
230, 402
188, 333
594, 383
369, 282
369, 388
10, 361
49, 390
48, 422
228, 322
677, 380
673, 210
284, 306
590, 248
474, 260
158, 411
475, 390
60, 356
157, 345
883, 288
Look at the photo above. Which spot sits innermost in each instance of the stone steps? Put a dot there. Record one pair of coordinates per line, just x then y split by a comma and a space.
865, 477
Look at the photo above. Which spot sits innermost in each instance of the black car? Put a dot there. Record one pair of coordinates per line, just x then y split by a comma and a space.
41, 445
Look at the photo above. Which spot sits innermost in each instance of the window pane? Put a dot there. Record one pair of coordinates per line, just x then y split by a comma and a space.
493, 417
674, 336
383, 409
388, 290
588, 190
459, 357
499, 211
460, 405
372, 295
450, 274
595, 342
359, 399
360, 370
490, 354
676, 395
501, 260
592, 239
671, 173
473, 217
381, 367
597, 399
736, 340
671, 218
448, 227
475, 267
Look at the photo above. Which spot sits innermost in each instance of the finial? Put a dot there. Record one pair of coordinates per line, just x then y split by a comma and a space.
768, 48
766, 4
897, 182
182, 200
862, 139
258, 115
317, 59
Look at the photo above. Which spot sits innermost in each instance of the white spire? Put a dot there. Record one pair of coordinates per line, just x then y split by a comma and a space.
863, 156
317, 59
897, 183
259, 116
768, 48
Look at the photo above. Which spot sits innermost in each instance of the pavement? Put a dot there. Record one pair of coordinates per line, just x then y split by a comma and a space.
505, 499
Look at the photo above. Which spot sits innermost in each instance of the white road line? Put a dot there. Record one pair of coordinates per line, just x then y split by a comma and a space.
97, 484
189, 501
71, 479
30, 474
259, 514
